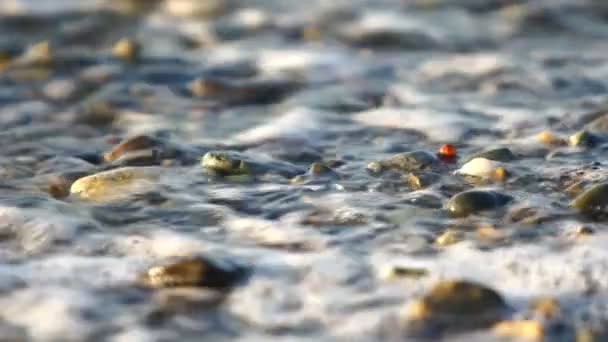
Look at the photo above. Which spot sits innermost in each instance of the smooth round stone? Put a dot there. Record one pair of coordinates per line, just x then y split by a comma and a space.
193, 271
594, 199
126, 49
115, 184
482, 168
451, 301
475, 201
500, 154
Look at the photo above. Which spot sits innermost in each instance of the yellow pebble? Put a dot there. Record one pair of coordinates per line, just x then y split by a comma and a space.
126, 49
114, 184
582, 231
520, 329
548, 138
489, 233
449, 237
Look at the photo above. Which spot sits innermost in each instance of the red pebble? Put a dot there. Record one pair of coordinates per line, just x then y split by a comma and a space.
447, 152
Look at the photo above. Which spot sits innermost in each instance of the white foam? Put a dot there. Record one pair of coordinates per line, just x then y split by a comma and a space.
440, 126
299, 124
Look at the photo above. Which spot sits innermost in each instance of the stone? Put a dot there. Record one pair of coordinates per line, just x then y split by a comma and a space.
449, 237
592, 200
407, 161
483, 168
115, 184
135, 143
499, 154
546, 307
420, 181
39, 53
460, 302
550, 139
195, 271
475, 201
399, 272
126, 49
195, 8
585, 139
520, 329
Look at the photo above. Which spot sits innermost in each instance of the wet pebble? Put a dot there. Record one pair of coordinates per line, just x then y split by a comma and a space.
407, 161
592, 200
463, 304
476, 201
483, 168
500, 154
193, 272
115, 184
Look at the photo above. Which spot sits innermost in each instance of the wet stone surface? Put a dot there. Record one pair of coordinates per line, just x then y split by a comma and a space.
180, 170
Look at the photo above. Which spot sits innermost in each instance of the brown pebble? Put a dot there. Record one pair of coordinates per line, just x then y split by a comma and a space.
192, 271
138, 142
547, 307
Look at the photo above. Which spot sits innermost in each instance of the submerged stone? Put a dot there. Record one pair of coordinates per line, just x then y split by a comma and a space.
592, 200
459, 302
193, 271
500, 154
242, 92
475, 201
231, 163
421, 180
408, 161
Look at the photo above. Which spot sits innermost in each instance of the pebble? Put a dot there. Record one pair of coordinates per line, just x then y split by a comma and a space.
547, 307
39, 53
193, 271
399, 272
550, 139
407, 161
475, 201
420, 181
126, 49
592, 200
585, 139
520, 329
460, 302
115, 184
483, 168
194, 8
500, 154
449, 237
135, 143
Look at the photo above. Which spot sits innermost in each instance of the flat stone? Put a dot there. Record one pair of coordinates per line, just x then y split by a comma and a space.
115, 184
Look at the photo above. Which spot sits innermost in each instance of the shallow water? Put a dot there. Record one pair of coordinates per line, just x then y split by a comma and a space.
346, 82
